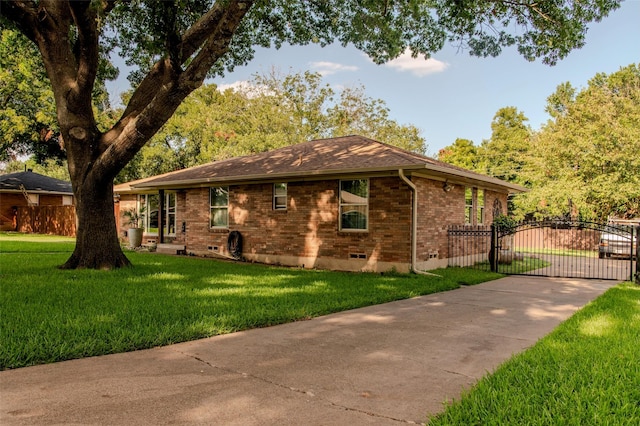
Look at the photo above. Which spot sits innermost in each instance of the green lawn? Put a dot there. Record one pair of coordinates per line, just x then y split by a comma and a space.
50, 315
558, 252
586, 372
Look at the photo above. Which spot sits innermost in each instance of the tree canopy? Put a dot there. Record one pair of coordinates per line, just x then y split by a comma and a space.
176, 44
27, 111
587, 155
270, 111
505, 154
582, 163
28, 124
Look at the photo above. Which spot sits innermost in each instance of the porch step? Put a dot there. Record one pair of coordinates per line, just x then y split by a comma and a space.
171, 248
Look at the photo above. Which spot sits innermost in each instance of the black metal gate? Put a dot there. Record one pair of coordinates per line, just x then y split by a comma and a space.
565, 248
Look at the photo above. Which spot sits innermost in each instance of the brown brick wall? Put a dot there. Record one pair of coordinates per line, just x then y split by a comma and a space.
438, 210
309, 226
308, 229
548, 238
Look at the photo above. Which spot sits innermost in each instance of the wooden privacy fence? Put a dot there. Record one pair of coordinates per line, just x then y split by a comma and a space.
56, 220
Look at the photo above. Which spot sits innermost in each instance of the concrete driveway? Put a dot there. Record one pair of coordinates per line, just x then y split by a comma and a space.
389, 364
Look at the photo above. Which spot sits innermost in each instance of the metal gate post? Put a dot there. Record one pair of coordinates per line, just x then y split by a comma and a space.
493, 252
637, 238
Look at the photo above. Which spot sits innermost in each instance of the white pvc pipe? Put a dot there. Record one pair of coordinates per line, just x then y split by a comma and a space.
414, 225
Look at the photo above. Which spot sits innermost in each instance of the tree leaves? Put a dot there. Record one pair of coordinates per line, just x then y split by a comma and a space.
270, 111
583, 163
590, 152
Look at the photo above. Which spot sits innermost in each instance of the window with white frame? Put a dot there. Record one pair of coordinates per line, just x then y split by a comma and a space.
219, 204
170, 213
468, 205
279, 196
148, 207
354, 205
480, 206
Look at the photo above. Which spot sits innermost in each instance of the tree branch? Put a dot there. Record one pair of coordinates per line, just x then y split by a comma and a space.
198, 33
165, 87
218, 41
23, 14
87, 56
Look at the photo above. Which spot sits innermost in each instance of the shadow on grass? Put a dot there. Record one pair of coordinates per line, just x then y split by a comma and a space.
51, 315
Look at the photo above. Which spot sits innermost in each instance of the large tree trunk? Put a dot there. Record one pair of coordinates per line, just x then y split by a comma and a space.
72, 64
97, 245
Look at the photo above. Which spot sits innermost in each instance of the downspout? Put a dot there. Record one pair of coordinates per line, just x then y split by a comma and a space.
414, 225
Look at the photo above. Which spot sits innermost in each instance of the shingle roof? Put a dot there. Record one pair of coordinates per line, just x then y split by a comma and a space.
348, 154
34, 182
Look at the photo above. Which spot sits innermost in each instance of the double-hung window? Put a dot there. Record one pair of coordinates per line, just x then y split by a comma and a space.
149, 205
468, 206
170, 213
473, 206
354, 205
480, 206
219, 207
279, 196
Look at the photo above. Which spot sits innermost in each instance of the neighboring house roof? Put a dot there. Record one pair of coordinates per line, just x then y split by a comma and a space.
315, 159
34, 183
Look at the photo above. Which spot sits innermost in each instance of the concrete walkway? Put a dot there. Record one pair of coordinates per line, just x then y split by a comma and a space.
389, 364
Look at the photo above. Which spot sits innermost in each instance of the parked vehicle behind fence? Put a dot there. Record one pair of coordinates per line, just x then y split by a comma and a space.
616, 240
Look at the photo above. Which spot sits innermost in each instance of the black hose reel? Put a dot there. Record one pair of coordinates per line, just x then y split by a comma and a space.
234, 245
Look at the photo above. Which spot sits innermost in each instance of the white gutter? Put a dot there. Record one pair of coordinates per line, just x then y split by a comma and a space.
414, 225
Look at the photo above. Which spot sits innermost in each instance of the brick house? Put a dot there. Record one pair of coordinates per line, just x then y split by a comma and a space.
348, 203
31, 202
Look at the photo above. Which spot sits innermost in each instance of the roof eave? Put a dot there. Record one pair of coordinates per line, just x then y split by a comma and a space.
436, 170
472, 176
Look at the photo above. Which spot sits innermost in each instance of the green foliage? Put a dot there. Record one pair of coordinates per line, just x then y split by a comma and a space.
144, 30
585, 372
270, 111
134, 216
463, 153
27, 111
49, 167
505, 155
586, 159
506, 224
50, 315
582, 164
28, 119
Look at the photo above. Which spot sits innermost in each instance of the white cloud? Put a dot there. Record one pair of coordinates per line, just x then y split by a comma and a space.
245, 87
417, 66
236, 86
327, 68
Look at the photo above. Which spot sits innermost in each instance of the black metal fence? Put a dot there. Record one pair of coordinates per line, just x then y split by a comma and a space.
549, 248
469, 246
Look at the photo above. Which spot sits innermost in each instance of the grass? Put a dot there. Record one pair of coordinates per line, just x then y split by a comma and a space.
525, 265
558, 252
51, 315
516, 266
586, 372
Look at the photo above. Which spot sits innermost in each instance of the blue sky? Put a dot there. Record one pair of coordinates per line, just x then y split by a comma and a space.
455, 95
